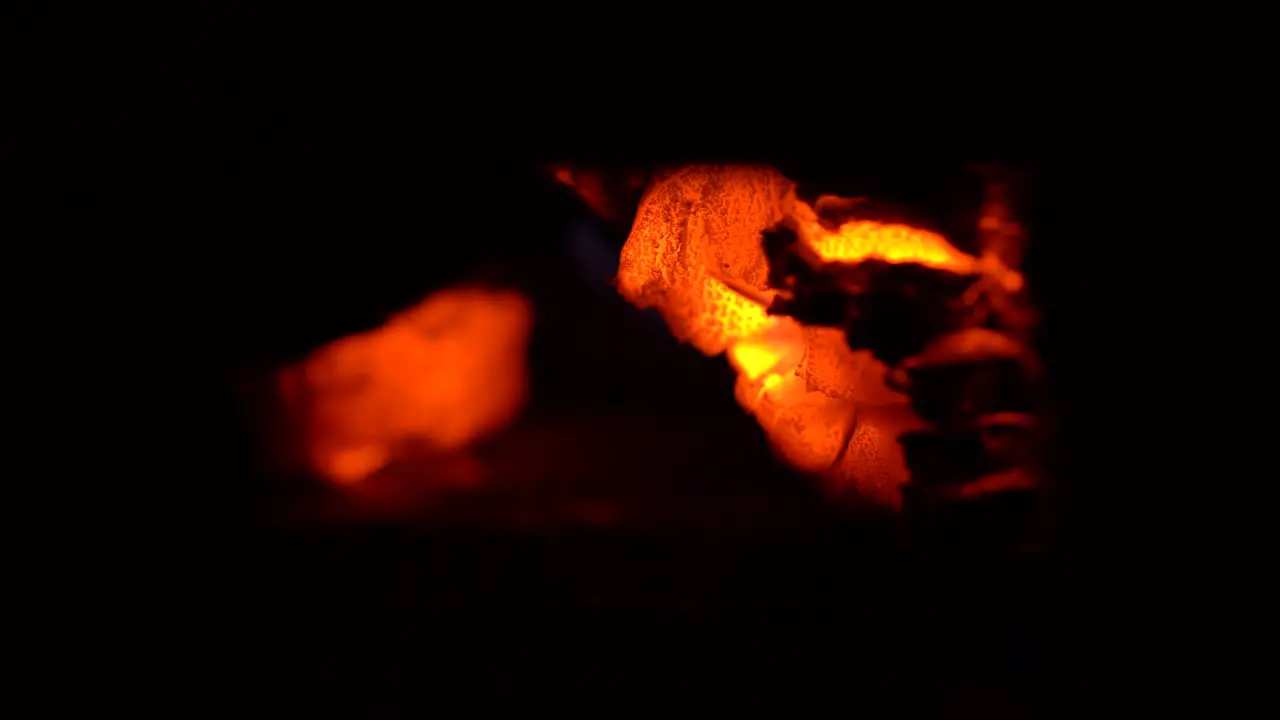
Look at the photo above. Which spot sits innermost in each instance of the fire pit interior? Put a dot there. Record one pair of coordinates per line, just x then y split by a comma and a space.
539, 389
543, 398
561, 428
657, 442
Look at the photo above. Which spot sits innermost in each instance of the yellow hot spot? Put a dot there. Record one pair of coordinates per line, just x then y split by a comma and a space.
755, 360
865, 239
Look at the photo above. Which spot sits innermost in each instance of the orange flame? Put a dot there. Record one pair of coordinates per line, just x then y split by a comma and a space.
435, 377
695, 254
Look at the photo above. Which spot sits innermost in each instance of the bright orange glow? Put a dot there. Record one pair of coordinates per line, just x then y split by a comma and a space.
864, 239
755, 360
435, 377
697, 234
776, 349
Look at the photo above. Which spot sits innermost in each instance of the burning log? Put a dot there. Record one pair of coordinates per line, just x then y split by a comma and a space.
694, 254
956, 335
851, 329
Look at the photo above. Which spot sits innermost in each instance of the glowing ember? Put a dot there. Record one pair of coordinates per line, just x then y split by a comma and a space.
435, 377
863, 239
695, 254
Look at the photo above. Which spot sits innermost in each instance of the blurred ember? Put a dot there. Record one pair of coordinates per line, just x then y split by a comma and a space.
612, 195
434, 378
696, 254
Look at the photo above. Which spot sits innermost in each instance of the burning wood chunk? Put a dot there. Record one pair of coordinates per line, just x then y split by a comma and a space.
696, 254
900, 307
874, 466
435, 377
852, 239
808, 429
696, 229
830, 367
955, 330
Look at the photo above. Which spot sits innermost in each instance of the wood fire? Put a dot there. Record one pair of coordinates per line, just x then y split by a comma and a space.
695, 254
435, 377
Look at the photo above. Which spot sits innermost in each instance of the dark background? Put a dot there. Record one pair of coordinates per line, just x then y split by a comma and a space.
244, 186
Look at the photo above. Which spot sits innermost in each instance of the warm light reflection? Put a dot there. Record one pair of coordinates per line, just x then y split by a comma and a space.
697, 234
435, 377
